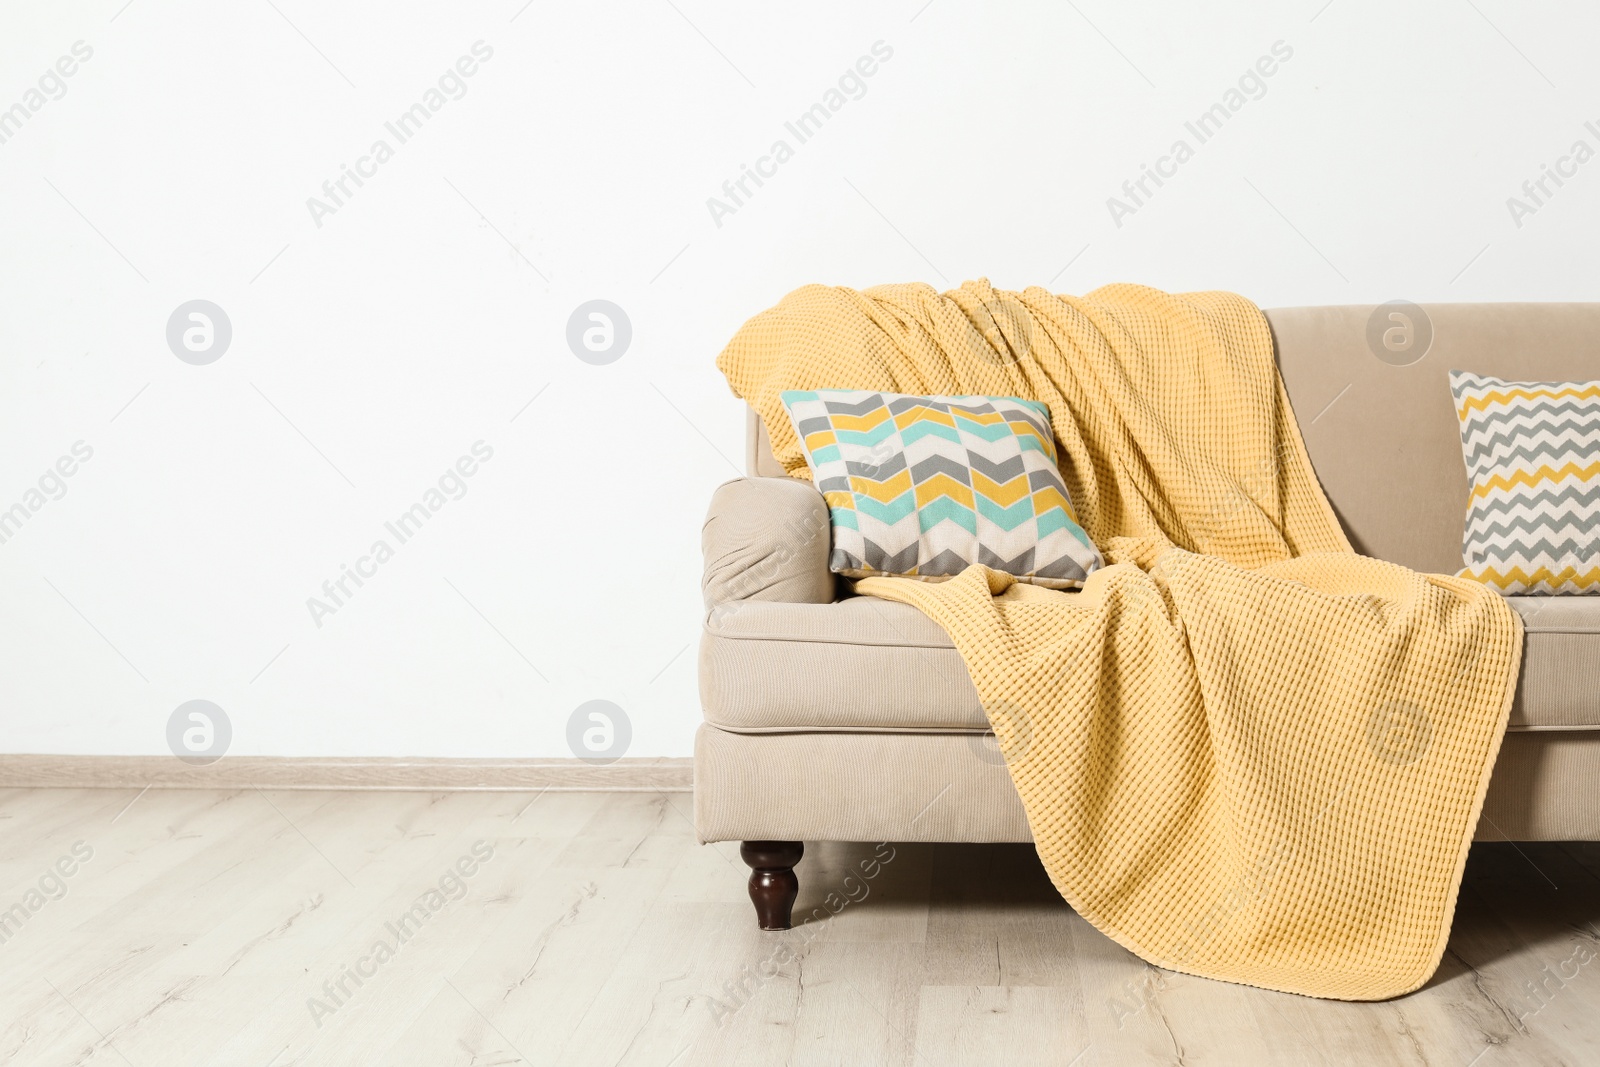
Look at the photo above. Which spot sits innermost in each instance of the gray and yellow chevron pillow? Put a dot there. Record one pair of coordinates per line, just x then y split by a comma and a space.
1532, 451
926, 486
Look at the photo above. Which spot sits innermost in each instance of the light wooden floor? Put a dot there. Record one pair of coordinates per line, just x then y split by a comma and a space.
600, 933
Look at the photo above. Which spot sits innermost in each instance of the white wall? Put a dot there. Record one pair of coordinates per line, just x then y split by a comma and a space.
376, 348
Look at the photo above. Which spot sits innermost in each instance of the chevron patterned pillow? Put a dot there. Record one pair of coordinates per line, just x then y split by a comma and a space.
925, 486
1532, 451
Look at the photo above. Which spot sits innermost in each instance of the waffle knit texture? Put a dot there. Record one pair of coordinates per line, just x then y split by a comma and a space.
1245, 752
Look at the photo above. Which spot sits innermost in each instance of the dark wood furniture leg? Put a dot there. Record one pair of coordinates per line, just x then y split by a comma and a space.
773, 884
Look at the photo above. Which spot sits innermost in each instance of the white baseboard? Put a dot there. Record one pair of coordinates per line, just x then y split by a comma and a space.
668, 775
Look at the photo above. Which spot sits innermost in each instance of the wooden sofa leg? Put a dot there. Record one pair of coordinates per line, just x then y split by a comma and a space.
773, 884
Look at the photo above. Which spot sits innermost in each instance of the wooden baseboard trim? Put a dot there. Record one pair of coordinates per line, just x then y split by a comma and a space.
666, 775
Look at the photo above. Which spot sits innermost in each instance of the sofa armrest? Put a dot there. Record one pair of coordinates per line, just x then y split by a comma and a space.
766, 539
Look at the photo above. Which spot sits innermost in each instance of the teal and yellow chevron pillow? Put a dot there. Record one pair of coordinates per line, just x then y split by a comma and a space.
1532, 451
926, 486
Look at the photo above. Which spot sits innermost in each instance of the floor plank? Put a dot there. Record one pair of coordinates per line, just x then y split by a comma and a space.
225, 928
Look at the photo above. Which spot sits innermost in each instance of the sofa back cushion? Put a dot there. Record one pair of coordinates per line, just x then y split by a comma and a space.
1388, 450
1370, 387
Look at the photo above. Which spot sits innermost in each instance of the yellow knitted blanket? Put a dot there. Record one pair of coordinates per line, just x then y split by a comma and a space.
1245, 752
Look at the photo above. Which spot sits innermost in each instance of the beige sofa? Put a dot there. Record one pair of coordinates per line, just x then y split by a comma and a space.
835, 717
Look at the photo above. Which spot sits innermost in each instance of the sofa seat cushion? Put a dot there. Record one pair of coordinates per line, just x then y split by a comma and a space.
868, 665
859, 664
1560, 684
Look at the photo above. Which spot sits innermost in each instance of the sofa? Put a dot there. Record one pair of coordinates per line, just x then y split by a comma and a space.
836, 717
